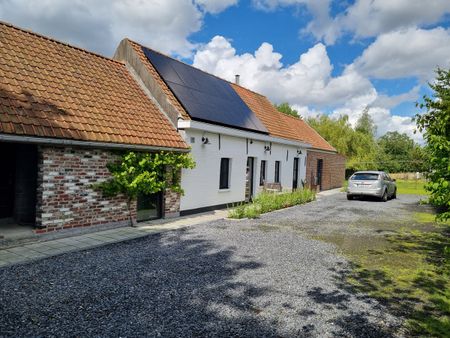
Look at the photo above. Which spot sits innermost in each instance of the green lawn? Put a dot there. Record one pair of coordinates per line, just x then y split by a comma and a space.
407, 269
414, 187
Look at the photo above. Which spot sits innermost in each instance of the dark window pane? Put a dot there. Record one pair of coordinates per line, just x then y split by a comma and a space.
262, 175
148, 207
224, 173
277, 172
365, 176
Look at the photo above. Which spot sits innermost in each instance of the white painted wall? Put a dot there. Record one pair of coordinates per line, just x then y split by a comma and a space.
201, 185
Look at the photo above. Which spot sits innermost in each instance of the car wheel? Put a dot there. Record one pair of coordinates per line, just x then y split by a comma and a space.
394, 195
349, 197
384, 198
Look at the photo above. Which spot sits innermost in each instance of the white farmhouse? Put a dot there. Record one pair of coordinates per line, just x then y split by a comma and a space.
239, 141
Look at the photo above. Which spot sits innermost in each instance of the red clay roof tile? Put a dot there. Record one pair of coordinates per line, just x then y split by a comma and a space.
279, 124
51, 89
308, 133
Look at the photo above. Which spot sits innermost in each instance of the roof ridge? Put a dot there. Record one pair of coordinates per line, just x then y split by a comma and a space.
250, 90
42, 36
293, 117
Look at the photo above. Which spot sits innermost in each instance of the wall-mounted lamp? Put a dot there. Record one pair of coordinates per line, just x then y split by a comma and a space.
299, 152
266, 148
205, 140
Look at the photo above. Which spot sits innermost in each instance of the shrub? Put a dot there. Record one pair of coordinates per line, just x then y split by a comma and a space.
237, 211
266, 202
435, 126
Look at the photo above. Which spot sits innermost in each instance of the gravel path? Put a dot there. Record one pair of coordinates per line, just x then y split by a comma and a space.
223, 278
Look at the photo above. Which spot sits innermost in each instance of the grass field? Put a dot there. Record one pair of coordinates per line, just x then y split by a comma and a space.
412, 187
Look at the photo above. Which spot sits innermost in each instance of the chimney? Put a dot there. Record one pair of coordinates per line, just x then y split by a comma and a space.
236, 79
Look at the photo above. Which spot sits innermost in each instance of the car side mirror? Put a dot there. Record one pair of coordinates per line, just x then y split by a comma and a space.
394, 180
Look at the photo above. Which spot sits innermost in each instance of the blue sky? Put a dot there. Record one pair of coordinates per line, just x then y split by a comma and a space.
321, 56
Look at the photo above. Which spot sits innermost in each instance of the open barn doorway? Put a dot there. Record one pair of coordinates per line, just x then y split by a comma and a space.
18, 181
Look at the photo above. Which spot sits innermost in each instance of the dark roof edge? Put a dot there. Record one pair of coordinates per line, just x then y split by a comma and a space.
90, 144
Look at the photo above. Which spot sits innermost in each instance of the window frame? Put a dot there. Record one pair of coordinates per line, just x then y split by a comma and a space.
223, 176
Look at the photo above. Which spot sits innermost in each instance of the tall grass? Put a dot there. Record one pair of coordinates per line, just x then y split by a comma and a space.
267, 201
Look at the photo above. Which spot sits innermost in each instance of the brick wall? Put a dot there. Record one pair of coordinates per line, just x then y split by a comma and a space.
172, 203
333, 173
65, 195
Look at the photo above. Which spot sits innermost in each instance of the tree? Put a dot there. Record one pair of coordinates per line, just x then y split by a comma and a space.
435, 126
359, 148
145, 173
365, 124
396, 152
285, 108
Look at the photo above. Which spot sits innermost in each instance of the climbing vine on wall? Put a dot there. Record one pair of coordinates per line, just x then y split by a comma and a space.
146, 173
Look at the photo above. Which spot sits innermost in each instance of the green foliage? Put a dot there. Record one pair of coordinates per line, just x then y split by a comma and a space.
435, 125
237, 211
359, 147
145, 173
266, 202
393, 152
365, 124
285, 108
399, 153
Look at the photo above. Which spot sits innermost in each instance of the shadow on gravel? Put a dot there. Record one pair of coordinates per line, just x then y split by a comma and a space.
351, 323
173, 284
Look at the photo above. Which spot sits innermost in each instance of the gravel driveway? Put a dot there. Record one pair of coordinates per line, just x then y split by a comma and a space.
260, 278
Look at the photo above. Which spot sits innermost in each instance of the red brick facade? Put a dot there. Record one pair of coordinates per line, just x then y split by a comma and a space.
333, 172
65, 194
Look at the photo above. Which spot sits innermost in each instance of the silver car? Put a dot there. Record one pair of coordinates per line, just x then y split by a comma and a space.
371, 183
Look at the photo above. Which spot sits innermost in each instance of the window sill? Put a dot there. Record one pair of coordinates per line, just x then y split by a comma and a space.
224, 190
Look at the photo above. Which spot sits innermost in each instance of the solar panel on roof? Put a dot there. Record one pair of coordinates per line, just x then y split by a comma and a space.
204, 96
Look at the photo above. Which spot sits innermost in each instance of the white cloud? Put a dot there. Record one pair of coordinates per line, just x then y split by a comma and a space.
388, 102
364, 18
215, 6
367, 18
384, 120
406, 53
99, 25
308, 84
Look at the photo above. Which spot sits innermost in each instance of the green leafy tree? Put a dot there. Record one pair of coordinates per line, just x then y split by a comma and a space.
435, 125
365, 124
420, 159
285, 108
145, 173
400, 153
359, 148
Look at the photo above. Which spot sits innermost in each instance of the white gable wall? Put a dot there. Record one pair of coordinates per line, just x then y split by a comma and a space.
201, 185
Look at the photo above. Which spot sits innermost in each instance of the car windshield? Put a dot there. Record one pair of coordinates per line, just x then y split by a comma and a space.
364, 177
